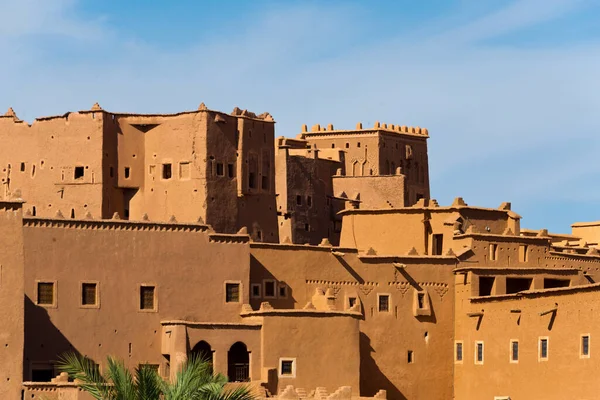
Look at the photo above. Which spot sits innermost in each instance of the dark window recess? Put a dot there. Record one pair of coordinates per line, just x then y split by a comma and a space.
232, 292
79, 171
486, 285
479, 352
298, 200
409, 357
419, 196
459, 351
421, 300
251, 180
543, 348
384, 303
147, 297
72, 213
516, 285
88, 294
283, 291
265, 183
347, 145
585, 345
550, 283
167, 171
269, 289
111, 172
306, 227
437, 244
230, 171
220, 169
46, 293
515, 351
309, 201
42, 374
259, 235
255, 290
22, 167
287, 367
351, 301
127, 171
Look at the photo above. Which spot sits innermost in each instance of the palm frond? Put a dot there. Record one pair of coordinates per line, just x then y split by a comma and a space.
148, 383
213, 391
86, 371
121, 379
193, 375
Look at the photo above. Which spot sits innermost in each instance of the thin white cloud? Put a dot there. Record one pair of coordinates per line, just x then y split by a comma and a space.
489, 109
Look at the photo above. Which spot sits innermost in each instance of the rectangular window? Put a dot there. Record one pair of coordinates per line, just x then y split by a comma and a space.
185, 170
384, 303
220, 169
514, 351
437, 244
22, 167
458, 355
410, 357
351, 302
543, 350
251, 180
421, 300
167, 172
88, 294
516, 285
127, 172
523, 252
585, 346
283, 292
79, 171
550, 283
309, 201
232, 292
493, 251
486, 285
230, 170
269, 288
478, 352
42, 372
298, 200
265, 182
287, 367
255, 290
45, 293
147, 298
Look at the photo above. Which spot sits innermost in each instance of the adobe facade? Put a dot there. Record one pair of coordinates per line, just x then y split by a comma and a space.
316, 267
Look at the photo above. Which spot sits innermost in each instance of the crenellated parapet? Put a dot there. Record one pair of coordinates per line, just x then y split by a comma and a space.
377, 127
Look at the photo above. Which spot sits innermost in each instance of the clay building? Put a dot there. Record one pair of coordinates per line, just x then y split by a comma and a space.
387, 294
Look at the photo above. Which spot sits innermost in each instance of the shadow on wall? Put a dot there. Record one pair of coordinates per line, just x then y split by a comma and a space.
44, 343
258, 273
371, 378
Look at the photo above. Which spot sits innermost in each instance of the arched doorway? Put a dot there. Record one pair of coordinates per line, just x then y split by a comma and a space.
202, 350
238, 363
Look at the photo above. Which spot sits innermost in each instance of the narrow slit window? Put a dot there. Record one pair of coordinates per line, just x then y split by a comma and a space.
514, 351
167, 172
298, 200
410, 357
459, 352
220, 170
230, 170
493, 252
127, 172
543, 349
421, 300
479, 353
585, 346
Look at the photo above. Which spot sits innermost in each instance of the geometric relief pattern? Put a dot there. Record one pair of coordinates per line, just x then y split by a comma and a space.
336, 286
440, 288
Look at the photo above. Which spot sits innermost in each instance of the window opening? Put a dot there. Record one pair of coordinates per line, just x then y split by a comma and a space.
585, 346
230, 170
167, 172
486, 285
220, 170
384, 303
409, 357
79, 172
514, 348
437, 244
127, 171
45, 293
516, 285
147, 297
459, 351
544, 349
269, 289
232, 292
88, 294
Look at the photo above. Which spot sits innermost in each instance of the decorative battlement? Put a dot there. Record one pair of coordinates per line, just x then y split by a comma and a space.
378, 127
320, 393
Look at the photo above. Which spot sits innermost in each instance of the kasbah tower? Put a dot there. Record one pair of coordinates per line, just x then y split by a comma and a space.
315, 267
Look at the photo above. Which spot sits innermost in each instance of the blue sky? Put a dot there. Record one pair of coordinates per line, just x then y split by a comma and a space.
509, 90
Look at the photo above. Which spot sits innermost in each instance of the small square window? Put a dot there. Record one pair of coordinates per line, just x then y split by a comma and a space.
220, 169
45, 293
269, 288
167, 171
478, 352
458, 354
185, 170
384, 303
283, 292
147, 298
585, 346
287, 367
255, 290
230, 170
352, 302
232, 292
88, 294
79, 172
